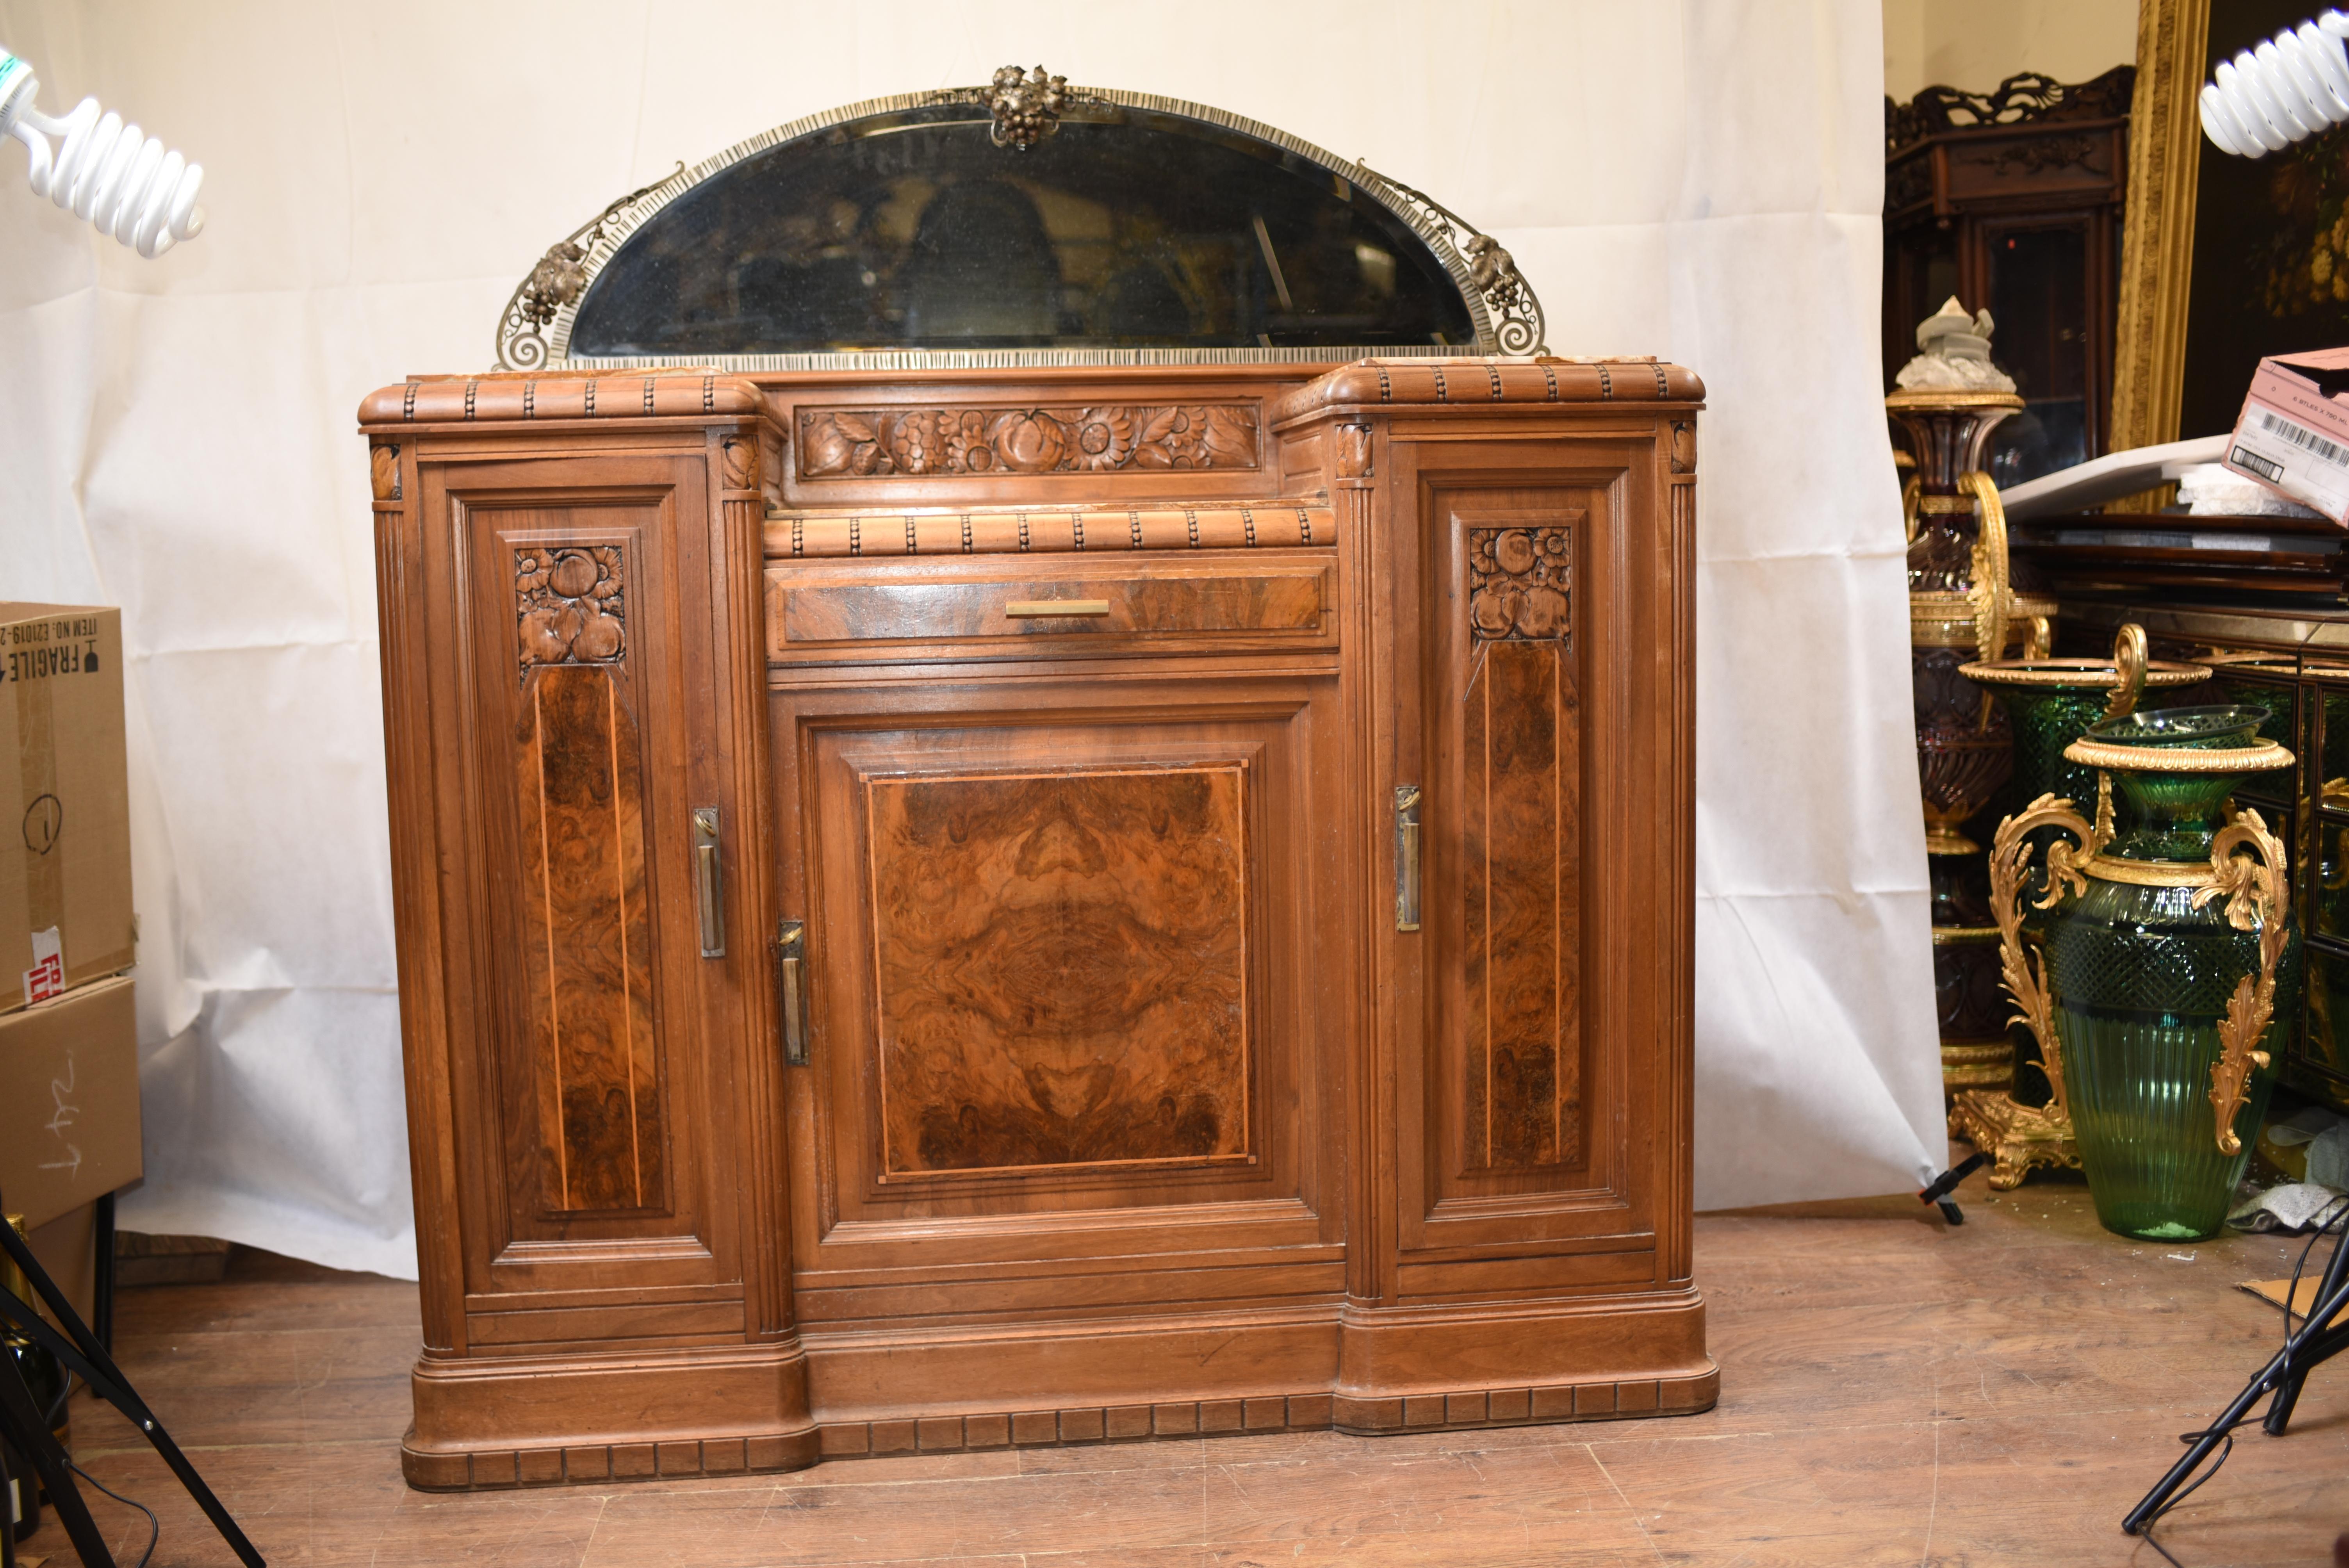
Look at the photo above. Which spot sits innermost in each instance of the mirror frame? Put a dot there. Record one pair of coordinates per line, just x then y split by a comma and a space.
534, 330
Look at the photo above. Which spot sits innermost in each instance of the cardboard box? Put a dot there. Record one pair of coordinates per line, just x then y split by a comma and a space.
2293, 435
64, 802
68, 1101
67, 1248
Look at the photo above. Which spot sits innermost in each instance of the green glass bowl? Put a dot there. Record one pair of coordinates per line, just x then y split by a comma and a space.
2230, 727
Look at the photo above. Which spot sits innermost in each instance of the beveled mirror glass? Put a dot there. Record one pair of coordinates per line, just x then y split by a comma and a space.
1028, 222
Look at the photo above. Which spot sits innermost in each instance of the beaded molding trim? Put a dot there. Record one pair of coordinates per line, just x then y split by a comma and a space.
1255, 525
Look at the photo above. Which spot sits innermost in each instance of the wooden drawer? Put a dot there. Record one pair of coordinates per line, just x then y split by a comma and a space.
1075, 608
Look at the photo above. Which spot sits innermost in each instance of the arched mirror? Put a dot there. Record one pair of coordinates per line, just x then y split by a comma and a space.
1023, 222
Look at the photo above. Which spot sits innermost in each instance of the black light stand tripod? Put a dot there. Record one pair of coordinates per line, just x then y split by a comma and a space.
26, 1429
2320, 1337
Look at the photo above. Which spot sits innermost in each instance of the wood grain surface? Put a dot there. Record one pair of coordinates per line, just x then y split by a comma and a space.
1062, 967
1168, 603
1507, 750
589, 967
1520, 854
1902, 1393
1520, 908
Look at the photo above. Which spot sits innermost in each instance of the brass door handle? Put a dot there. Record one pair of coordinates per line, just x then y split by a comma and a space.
1028, 609
791, 989
709, 893
1406, 847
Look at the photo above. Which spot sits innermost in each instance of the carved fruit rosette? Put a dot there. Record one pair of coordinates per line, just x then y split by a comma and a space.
2168, 942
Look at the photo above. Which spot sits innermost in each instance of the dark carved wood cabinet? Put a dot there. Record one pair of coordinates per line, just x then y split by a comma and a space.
1015, 906
2011, 200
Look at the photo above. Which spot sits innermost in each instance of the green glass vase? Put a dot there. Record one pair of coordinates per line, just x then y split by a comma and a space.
2168, 959
2050, 703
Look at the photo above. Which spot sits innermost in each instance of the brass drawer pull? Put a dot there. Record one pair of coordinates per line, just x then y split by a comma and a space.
1406, 849
790, 993
710, 896
1025, 609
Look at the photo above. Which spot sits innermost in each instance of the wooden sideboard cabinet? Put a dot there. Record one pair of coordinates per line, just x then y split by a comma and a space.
988, 908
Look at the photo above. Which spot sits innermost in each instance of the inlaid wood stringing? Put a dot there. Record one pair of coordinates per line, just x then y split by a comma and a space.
588, 939
1520, 845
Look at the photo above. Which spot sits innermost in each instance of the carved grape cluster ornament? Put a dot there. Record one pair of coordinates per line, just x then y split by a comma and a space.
1518, 583
555, 282
868, 442
570, 606
1027, 107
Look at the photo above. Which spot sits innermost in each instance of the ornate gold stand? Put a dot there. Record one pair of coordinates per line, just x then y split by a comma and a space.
2016, 1137
1961, 604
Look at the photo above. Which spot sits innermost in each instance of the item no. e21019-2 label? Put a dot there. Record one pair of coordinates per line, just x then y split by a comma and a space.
42, 650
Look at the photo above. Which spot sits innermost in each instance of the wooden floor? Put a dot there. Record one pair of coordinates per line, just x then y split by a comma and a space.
1892, 1392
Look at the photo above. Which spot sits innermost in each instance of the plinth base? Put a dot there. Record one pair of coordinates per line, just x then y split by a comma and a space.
2016, 1137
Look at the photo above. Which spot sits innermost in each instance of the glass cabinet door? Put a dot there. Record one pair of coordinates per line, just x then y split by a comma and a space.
2038, 289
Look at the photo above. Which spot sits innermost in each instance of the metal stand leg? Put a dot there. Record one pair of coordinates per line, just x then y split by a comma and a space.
82, 1354
2287, 1394
2316, 1341
101, 1295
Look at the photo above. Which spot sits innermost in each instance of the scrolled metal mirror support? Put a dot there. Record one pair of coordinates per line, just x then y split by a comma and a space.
556, 284
1518, 325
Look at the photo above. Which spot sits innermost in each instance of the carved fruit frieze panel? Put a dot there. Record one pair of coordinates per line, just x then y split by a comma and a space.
1518, 583
586, 948
1521, 854
571, 604
1062, 964
869, 442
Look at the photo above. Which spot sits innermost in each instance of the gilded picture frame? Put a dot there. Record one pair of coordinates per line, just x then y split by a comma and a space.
2157, 223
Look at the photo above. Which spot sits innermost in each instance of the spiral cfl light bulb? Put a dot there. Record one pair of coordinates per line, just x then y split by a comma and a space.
128, 185
2285, 90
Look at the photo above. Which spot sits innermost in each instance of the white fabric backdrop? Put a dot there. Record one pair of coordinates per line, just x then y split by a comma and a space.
1699, 181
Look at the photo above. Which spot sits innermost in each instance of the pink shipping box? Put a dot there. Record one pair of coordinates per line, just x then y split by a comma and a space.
2294, 433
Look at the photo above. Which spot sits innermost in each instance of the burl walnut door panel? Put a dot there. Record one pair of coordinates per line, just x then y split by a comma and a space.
1513, 876
1067, 1018
586, 1068
1520, 627
1060, 968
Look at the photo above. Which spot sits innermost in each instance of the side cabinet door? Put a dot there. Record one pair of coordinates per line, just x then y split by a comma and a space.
575, 752
1523, 616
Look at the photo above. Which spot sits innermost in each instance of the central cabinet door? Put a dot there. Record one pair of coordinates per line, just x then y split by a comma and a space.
1074, 1007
